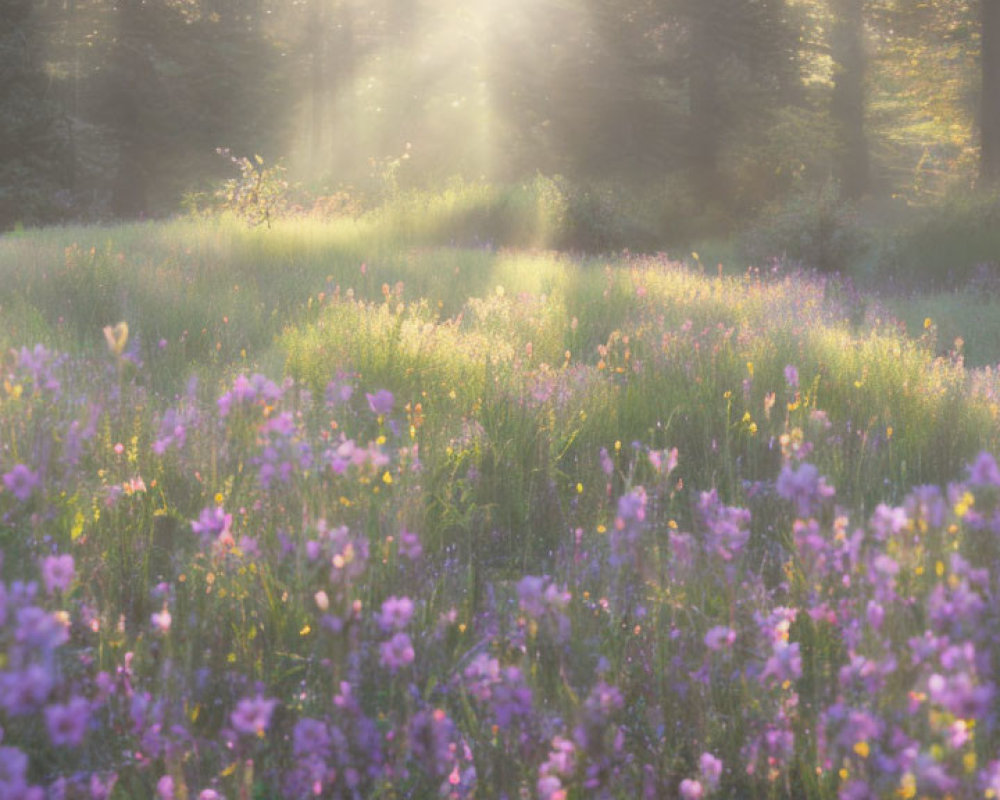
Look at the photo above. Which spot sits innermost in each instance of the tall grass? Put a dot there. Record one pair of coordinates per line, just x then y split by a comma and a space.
344, 516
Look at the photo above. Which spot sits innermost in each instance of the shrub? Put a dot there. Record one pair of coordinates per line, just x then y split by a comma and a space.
816, 229
945, 244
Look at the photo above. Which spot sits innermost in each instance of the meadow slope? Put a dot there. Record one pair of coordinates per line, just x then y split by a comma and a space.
311, 511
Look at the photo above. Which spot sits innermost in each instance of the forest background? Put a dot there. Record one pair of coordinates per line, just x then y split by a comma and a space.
788, 124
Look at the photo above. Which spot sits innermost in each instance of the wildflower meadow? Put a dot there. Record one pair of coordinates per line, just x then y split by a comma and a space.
302, 512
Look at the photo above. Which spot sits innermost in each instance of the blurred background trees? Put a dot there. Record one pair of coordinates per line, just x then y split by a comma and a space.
708, 112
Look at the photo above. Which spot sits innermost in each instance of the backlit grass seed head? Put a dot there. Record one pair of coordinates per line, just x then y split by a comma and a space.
116, 338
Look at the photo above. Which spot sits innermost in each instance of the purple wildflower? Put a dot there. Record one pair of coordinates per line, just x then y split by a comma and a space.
632, 506
41, 363
505, 688
396, 613
805, 487
560, 764
728, 526
247, 391
25, 691
785, 663
165, 788
989, 779
512, 698
603, 701
663, 461
926, 504
719, 637
933, 778
857, 790
481, 675
173, 429
212, 523
607, 465
409, 545
984, 470
397, 652
859, 726
549, 787
39, 628
959, 695
21, 482
311, 737
13, 772
630, 522
711, 770
252, 715
792, 377
691, 790
432, 741
542, 600
538, 594
381, 402
875, 615
337, 393
67, 724
58, 573
529, 593
888, 521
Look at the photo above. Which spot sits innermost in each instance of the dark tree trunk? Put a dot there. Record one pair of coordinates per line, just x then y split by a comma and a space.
847, 105
129, 68
318, 93
342, 77
704, 97
989, 167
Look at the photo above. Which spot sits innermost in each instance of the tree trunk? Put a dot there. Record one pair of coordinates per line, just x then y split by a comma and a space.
847, 104
703, 96
989, 165
128, 70
318, 77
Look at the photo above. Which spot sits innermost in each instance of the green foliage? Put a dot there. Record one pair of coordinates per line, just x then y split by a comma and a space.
966, 322
549, 212
947, 244
33, 143
815, 229
777, 156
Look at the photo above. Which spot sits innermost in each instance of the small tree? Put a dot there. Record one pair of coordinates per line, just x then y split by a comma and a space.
259, 194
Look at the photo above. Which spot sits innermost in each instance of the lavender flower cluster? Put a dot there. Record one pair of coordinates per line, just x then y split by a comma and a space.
300, 635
